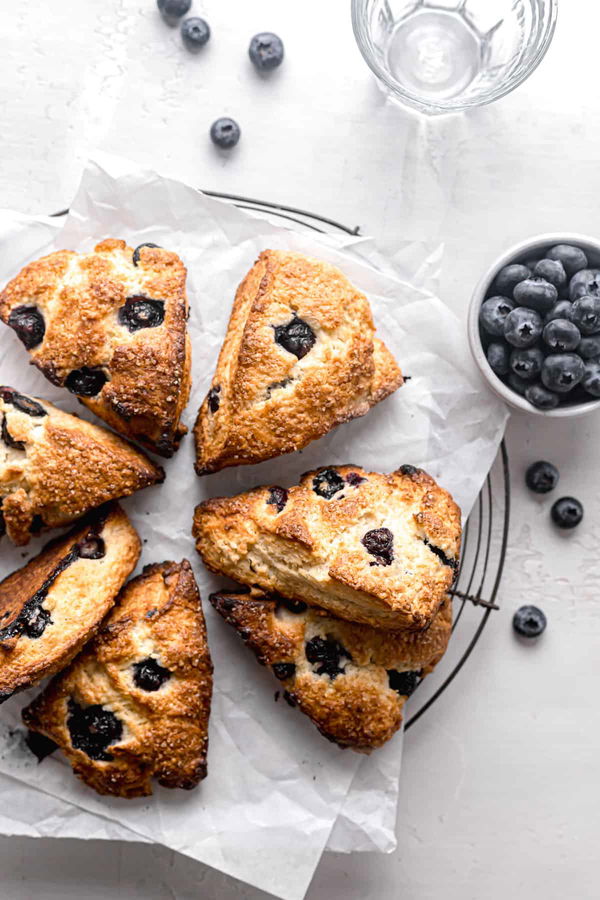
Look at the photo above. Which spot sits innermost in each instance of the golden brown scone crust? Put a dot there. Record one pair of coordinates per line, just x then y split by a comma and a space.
340, 674
52, 606
264, 400
54, 467
164, 731
307, 546
148, 370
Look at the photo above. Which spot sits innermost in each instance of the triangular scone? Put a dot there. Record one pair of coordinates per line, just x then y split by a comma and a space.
135, 704
52, 606
111, 327
299, 358
54, 467
370, 548
351, 680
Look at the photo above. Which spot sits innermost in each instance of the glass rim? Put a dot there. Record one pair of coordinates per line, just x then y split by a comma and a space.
416, 101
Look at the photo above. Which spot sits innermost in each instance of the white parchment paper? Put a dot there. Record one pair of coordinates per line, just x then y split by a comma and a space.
277, 793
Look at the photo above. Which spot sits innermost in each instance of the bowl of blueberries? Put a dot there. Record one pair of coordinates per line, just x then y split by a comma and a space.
534, 325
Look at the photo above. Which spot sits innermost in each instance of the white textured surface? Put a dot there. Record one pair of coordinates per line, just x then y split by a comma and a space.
500, 788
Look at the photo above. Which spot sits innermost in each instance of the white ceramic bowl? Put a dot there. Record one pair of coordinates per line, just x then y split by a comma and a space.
534, 246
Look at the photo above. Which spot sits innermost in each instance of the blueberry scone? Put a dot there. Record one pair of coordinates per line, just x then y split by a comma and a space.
110, 326
135, 703
52, 606
351, 680
300, 357
377, 549
54, 467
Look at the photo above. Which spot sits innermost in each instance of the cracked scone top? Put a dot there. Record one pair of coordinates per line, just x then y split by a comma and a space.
300, 356
135, 704
52, 606
110, 326
351, 680
54, 467
371, 548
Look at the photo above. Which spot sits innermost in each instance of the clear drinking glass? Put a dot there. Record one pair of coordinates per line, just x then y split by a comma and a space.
442, 56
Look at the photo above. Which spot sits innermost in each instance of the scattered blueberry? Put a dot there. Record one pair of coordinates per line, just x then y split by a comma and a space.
586, 313
403, 682
551, 270
136, 253
529, 621
282, 671
587, 281
149, 675
493, 313
517, 384
536, 293
85, 381
567, 512
498, 356
326, 655
195, 33
7, 437
296, 337
294, 606
591, 377
29, 325
92, 547
141, 312
213, 399
572, 258
225, 133
278, 498
266, 51
40, 745
172, 10
92, 729
589, 347
509, 277
562, 371
379, 542
327, 483
541, 397
561, 335
22, 403
527, 364
561, 310
541, 477
522, 327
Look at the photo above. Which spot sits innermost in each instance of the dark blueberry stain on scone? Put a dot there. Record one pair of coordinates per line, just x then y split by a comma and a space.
141, 312
327, 483
40, 745
283, 670
37, 523
213, 399
93, 729
296, 337
86, 381
294, 606
8, 438
92, 547
149, 675
326, 655
136, 252
28, 324
403, 683
354, 479
446, 560
379, 542
278, 385
22, 403
278, 498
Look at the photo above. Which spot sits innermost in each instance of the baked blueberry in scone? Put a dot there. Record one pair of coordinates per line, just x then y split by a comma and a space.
377, 549
135, 703
54, 467
351, 680
110, 326
300, 356
52, 606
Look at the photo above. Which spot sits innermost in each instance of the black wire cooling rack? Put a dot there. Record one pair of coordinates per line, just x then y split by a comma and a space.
485, 535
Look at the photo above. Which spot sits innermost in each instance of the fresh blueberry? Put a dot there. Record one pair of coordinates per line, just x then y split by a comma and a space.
541, 477
562, 371
591, 377
172, 10
517, 384
567, 512
522, 327
140, 311
509, 277
561, 310
551, 270
195, 33
529, 621
561, 335
572, 258
498, 357
266, 51
493, 313
589, 347
586, 281
379, 542
527, 364
225, 133
536, 293
586, 313
29, 325
541, 397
